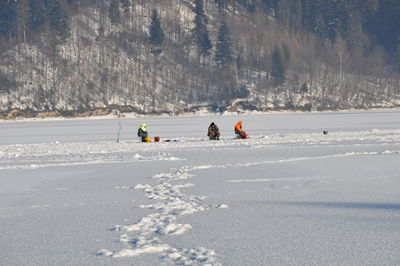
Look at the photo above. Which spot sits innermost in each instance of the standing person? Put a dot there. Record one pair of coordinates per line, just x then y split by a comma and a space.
240, 134
213, 131
143, 134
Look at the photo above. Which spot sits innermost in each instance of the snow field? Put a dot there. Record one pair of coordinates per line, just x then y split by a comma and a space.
290, 195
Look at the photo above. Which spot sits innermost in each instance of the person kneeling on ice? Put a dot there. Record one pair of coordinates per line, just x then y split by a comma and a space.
240, 134
143, 134
213, 131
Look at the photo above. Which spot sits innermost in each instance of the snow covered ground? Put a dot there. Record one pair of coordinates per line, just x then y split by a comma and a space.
290, 195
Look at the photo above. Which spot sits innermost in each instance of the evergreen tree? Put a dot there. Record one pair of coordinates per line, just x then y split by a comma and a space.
397, 54
320, 26
199, 10
277, 67
7, 17
58, 21
368, 7
204, 42
286, 54
114, 12
384, 25
156, 32
308, 15
269, 6
23, 16
200, 32
223, 54
221, 4
37, 14
282, 12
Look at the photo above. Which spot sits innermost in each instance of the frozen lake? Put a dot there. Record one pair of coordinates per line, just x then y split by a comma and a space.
289, 195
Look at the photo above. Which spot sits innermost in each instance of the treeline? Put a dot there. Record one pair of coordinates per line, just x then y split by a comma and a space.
379, 19
168, 55
20, 20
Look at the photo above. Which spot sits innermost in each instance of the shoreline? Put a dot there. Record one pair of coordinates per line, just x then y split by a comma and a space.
133, 115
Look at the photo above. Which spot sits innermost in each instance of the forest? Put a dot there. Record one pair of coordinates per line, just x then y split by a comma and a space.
88, 57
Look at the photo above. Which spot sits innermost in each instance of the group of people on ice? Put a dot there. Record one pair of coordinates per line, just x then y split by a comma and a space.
213, 132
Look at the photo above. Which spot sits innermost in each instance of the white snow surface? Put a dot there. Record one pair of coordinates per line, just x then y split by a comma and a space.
289, 195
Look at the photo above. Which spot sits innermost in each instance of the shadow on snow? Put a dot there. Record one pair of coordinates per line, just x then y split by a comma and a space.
344, 205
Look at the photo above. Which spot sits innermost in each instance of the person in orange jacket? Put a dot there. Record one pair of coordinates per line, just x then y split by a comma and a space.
238, 129
240, 134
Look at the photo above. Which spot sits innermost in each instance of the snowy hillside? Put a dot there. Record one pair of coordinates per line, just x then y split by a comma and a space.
289, 195
105, 63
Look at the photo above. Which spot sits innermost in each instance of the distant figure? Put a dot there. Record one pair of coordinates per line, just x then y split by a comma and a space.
213, 131
238, 128
240, 134
143, 134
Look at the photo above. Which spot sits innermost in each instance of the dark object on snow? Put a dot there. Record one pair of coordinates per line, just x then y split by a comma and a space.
119, 130
242, 135
157, 139
213, 132
325, 132
171, 140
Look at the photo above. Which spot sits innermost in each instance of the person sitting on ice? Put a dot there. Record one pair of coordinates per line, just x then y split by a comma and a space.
240, 134
213, 131
142, 133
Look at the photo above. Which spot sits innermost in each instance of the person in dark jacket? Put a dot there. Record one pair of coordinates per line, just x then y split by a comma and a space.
142, 133
213, 131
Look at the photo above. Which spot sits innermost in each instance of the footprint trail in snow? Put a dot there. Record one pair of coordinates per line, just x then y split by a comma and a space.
146, 235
